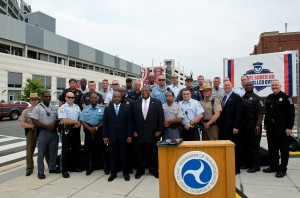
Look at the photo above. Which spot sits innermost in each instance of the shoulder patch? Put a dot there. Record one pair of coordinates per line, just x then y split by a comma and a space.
62, 110
261, 103
290, 100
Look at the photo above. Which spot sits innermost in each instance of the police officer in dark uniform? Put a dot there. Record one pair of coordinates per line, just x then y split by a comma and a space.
69, 114
77, 93
91, 119
196, 95
85, 100
136, 93
279, 121
253, 112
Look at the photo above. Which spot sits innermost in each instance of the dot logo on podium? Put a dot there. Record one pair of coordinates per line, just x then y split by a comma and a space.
196, 172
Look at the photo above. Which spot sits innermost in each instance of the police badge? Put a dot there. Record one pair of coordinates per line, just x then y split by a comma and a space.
280, 99
250, 98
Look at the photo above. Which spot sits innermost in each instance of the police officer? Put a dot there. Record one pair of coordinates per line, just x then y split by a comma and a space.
85, 100
44, 116
83, 88
253, 112
105, 88
69, 115
212, 110
124, 100
193, 113
30, 132
196, 95
217, 91
173, 117
136, 93
279, 121
129, 87
91, 119
77, 93
175, 87
115, 85
160, 92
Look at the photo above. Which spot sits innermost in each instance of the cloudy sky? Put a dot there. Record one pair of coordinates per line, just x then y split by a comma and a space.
198, 34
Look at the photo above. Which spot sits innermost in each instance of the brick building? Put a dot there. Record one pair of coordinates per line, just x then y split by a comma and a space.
270, 42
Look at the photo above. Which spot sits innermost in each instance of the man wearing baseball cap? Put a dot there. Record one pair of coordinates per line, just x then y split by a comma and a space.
196, 95
129, 87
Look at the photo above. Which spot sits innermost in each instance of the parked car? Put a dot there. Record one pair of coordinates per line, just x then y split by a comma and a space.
19, 102
13, 111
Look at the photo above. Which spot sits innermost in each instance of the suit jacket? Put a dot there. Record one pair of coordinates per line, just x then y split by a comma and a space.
154, 120
117, 127
231, 115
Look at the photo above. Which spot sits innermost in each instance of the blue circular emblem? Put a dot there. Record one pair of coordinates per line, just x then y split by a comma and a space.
196, 172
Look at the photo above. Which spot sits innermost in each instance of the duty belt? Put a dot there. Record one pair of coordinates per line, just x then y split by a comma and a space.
205, 121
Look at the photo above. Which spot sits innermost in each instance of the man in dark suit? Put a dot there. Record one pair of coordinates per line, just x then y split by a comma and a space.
117, 132
148, 120
231, 119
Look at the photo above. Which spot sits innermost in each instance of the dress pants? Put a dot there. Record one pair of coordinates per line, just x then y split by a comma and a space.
47, 140
147, 154
118, 149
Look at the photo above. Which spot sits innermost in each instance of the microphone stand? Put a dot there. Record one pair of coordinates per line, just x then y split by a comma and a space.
197, 125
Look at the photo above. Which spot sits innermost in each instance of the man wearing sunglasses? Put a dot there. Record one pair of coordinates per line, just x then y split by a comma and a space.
115, 85
175, 87
70, 137
44, 116
160, 92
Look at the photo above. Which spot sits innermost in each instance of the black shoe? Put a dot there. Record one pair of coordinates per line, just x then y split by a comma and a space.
280, 174
253, 170
65, 175
130, 171
126, 177
28, 173
41, 176
138, 175
89, 171
77, 170
244, 167
111, 178
269, 170
54, 171
155, 175
237, 172
106, 172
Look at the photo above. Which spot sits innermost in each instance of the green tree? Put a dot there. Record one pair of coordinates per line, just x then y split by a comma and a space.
33, 86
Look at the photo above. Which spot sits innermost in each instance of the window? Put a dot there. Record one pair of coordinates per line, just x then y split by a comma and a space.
4, 49
52, 59
61, 61
31, 54
14, 80
43, 57
61, 84
46, 80
72, 63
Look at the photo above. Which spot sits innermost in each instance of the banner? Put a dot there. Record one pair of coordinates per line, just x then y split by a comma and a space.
262, 69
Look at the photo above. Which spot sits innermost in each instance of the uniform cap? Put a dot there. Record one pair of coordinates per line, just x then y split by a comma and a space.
33, 95
189, 78
128, 80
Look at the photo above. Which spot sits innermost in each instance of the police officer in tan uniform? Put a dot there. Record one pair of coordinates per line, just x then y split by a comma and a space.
30, 133
212, 109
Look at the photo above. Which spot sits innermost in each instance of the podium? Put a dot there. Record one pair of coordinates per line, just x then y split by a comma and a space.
197, 168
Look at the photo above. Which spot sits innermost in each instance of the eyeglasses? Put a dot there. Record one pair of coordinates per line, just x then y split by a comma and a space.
115, 84
161, 79
70, 97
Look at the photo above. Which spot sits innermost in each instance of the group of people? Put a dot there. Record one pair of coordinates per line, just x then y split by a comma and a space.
123, 125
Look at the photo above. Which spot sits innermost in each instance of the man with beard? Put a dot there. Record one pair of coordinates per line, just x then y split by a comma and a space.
279, 122
253, 112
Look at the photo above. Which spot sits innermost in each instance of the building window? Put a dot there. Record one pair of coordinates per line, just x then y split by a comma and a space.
4, 49
46, 80
43, 57
31, 54
72, 63
61, 84
14, 80
91, 67
61, 61
52, 59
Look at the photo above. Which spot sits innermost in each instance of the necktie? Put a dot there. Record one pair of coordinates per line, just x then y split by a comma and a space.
223, 101
145, 109
117, 110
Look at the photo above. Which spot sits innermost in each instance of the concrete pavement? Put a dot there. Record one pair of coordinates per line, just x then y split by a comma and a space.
14, 183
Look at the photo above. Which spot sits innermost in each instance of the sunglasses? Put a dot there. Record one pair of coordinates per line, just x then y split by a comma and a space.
70, 97
115, 84
161, 79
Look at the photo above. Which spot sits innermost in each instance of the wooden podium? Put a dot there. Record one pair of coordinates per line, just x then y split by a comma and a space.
222, 153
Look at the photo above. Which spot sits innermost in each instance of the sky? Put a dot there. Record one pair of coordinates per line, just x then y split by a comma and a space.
197, 34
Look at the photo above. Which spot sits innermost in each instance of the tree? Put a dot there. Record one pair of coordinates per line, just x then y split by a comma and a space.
33, 86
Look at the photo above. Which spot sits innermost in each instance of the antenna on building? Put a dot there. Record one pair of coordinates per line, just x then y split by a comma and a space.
285, 27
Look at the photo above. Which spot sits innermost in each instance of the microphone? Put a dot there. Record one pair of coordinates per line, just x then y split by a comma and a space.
197, 125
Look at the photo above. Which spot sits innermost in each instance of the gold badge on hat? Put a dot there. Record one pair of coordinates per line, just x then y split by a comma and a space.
280, 99
127, 103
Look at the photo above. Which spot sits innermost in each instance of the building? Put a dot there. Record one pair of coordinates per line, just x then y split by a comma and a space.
277, 42
29, 51
167, 70
15, 9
